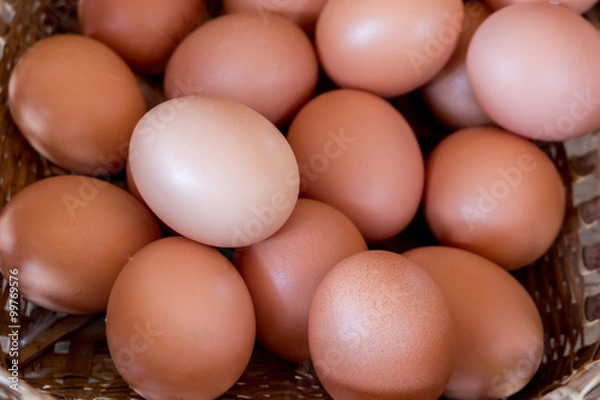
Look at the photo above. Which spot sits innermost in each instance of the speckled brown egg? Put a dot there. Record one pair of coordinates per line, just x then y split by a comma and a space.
283, 271
380, 328
69, 237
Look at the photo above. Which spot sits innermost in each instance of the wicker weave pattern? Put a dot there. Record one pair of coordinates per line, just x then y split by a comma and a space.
68, 356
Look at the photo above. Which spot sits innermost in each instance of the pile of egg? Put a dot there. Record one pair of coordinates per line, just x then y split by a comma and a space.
282, 140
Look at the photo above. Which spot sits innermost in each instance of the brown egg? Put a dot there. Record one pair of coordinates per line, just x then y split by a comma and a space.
500, 333
180, 323
302, 12
143, 32
579, 6
76, 102
358, 154
533, 69
269, 66
380, 328
449, 94
493, 193
283, 272
214, 170
69, 237
387, 47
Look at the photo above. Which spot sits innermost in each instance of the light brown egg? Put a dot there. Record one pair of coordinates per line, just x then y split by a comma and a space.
76, 102
380, 328
448, 95
387, 47
69, 237
358, 154
180, 323
304, 13
269, 66
214, 170
143, 32
578, 6
500, 333
493, 193
283, 271
533, 69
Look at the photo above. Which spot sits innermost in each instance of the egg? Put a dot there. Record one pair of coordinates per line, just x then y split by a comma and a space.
283, 271
69, 237
500, 334
448, 95
180, 323
380, 328
304, 13
358, 154
494, 193
144, 33
386, 47
578, 6
214, 170
76, 102
532, 68
270, 66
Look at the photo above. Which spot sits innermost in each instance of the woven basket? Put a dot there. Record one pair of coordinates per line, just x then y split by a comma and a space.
66, 356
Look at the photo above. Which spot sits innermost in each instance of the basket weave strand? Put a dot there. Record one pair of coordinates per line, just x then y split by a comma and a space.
67, 356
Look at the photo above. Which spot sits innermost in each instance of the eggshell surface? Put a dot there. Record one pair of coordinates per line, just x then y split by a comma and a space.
532, 68
380, 328
143, 32
387, 47
283, 271
76, 102
270, 66
493, 193
180, 323
578, 6
449, 94
500, 333
358, 154
69, 237
214, 170
304, 13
